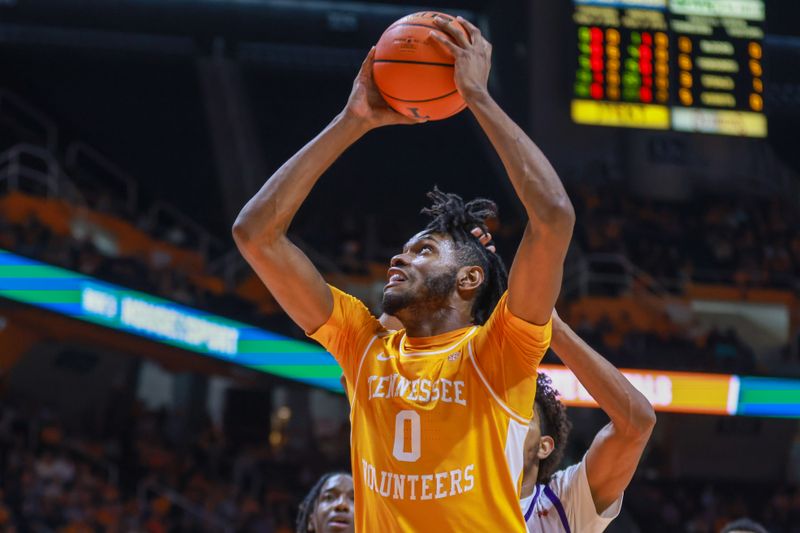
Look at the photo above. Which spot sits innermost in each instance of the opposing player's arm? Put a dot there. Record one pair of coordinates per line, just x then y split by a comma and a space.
535, 276
615, 452
260, 229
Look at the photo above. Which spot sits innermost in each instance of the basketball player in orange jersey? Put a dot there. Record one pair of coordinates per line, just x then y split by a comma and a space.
440, 409
587, 496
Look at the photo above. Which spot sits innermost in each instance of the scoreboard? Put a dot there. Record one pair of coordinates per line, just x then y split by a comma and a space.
684, 65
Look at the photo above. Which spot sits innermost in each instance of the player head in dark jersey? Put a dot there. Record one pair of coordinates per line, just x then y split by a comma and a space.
328, 507
445, 267
744, 525
547, 433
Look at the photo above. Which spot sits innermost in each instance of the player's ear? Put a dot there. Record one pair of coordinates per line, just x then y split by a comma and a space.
469, 278
546, 446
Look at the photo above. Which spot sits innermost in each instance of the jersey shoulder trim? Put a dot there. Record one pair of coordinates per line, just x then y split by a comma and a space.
358, 372
501, 403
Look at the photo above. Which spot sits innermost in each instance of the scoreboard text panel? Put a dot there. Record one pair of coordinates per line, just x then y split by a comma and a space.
685, 65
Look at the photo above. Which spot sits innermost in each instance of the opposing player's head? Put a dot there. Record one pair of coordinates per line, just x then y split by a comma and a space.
445, 265
744, 525
547, 432
328, 507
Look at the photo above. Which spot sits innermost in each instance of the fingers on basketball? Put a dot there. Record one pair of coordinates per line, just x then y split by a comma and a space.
415, 71
472, 30
445, 43
460, 36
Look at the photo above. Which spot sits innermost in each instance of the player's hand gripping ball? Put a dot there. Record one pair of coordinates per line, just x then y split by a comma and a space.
413, 72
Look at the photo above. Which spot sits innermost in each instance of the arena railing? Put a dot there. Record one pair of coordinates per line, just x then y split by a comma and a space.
55, 179
24, 115
163, 215
587, 272
581, 276
78, 154
24, 167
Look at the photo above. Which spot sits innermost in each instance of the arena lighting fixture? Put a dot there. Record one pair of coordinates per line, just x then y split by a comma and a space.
85, 298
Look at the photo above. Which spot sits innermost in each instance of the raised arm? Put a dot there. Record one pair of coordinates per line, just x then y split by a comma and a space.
615, 452
260, 229
535, 276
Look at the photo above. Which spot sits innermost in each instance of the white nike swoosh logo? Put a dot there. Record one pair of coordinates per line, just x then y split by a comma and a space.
382, 357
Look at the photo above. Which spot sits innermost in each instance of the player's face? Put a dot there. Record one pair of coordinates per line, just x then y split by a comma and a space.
334, 510
532, 440
424, 273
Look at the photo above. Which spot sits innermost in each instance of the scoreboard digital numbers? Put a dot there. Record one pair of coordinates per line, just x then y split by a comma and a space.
684, 65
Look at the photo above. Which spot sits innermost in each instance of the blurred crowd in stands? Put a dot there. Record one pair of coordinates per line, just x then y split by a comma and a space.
141, 475
749, 242
730, 240
144, 478
701, 507
668, 348
660, 239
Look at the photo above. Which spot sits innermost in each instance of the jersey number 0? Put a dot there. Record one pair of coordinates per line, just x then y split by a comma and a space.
399, 451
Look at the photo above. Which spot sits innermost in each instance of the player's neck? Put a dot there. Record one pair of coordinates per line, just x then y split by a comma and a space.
529, 481
421, 324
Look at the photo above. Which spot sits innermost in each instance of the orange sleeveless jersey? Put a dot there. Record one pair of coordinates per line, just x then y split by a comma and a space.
437, 423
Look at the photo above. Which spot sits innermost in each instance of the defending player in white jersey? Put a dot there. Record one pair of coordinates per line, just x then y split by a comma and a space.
587, 496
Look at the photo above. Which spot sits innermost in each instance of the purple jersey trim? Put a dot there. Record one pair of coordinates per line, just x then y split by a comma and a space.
529, 512
560, 508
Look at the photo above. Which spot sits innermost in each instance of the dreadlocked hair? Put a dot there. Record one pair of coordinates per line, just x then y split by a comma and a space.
457, 219
309, 503
554, 423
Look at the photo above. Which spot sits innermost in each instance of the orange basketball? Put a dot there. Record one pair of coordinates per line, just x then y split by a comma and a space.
413, 72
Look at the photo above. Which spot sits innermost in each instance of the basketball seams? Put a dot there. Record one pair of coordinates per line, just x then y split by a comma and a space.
451, 93
412, 62
414, 71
